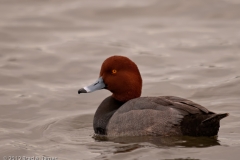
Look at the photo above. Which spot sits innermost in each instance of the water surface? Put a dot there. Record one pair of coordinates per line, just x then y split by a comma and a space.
49, 49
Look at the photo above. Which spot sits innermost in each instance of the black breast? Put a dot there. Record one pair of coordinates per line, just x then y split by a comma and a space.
103, 114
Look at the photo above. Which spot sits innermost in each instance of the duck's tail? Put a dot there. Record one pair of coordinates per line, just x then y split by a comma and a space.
202, 125
210, 126
215, 118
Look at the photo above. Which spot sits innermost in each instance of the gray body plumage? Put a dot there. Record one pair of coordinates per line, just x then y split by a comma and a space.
158, 116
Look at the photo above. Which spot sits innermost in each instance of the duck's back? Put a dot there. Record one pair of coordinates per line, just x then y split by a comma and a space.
163, 116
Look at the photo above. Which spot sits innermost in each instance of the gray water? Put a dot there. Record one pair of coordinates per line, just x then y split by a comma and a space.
51, 48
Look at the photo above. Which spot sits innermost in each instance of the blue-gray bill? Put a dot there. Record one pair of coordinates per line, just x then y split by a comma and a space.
99, 84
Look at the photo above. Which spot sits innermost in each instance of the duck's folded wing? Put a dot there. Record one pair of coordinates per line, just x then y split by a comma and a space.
142, 116
163, 116
164, 103
146, 116
184, 104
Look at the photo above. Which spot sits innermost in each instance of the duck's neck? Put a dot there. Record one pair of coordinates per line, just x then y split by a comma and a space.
103, 114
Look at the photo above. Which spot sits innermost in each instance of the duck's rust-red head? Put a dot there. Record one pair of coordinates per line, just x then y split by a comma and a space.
119, 75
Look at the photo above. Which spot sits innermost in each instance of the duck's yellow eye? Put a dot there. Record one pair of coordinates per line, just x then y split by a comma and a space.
114, 71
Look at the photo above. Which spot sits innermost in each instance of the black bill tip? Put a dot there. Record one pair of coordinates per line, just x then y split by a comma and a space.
82, 91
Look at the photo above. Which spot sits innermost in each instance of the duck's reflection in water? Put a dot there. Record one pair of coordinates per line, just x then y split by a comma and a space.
171, 141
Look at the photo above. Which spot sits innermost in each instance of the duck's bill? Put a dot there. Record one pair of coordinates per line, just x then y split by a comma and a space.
99, 84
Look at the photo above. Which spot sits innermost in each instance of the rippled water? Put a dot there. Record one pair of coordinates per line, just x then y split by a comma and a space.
49, 49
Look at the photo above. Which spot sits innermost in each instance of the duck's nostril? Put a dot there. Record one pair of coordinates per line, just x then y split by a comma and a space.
96, 83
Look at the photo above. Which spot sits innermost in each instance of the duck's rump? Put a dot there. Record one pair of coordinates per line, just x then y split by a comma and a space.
163, 116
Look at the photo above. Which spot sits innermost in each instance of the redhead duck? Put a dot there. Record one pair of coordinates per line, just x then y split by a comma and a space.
125, 113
